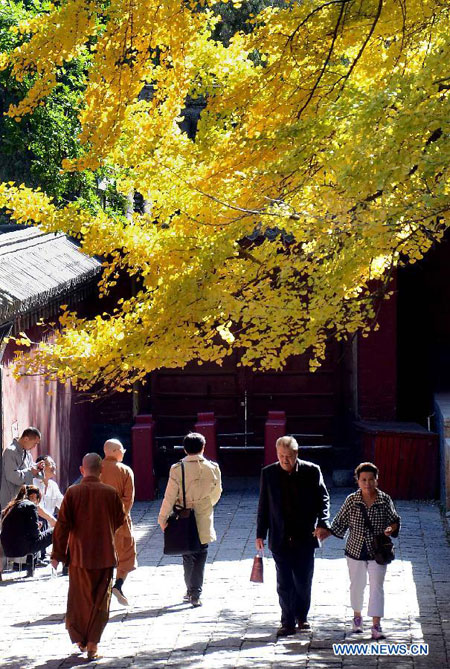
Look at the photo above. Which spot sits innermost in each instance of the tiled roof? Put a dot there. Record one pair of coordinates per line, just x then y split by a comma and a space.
37, 268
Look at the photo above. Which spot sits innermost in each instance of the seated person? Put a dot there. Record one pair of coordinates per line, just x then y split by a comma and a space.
51, 495
21, 532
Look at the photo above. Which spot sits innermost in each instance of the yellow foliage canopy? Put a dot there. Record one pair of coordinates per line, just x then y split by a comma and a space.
328, 125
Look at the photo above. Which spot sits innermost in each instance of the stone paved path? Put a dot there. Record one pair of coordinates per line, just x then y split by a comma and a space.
236, 626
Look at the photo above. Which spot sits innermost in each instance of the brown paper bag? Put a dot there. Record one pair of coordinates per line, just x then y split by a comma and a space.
257, 575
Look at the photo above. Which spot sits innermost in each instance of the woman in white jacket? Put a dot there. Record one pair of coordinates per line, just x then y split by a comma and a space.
203, 489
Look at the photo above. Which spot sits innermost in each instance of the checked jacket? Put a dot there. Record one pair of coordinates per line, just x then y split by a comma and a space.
350, 517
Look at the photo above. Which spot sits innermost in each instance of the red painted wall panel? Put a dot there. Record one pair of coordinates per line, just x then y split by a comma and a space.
407, 463
377, 365
64, 424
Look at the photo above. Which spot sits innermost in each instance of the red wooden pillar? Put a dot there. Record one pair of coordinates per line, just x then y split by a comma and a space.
274, 429
142, 437
207, 426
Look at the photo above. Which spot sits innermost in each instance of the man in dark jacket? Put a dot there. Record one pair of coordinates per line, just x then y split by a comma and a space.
294, 507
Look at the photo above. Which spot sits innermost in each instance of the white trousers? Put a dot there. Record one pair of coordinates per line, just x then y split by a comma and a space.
358, 570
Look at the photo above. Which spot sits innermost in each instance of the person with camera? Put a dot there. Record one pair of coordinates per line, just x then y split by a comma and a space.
365, 515
18, 468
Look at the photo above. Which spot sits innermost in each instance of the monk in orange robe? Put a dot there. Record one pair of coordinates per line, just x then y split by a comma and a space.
89, 516
121, 477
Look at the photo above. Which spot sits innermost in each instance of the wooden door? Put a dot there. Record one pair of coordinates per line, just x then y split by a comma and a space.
241, 398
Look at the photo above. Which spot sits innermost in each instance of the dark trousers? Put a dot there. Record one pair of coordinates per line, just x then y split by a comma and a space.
44, 526
25, 547
295, 568
44, 540
194, 569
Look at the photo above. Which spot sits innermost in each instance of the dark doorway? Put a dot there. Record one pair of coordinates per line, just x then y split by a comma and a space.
424, 333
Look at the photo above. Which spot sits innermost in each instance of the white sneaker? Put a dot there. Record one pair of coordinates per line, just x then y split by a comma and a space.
377, 633
357, 626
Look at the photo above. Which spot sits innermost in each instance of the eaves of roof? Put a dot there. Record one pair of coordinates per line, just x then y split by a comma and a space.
37, 268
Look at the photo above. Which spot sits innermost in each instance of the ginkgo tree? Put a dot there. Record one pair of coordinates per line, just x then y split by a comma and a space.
320, 163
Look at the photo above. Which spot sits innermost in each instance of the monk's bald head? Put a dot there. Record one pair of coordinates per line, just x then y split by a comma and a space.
91, 465
111, 445
113, 449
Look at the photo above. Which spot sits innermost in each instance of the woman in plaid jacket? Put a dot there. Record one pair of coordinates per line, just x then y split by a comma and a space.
359, 548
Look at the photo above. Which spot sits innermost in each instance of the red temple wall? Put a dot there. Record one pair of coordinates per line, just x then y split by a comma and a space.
377, 365
53, 409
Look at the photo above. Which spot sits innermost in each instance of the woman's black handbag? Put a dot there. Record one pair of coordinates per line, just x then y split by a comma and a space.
382, 544
383, 549
181, 534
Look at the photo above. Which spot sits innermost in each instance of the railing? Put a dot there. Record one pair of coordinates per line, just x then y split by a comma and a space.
233, 435
223, 435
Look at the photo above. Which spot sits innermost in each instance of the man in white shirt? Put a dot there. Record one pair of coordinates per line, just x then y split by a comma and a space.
51, 495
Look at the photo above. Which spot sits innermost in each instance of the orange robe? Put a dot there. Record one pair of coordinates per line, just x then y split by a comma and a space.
89, 516
121, 477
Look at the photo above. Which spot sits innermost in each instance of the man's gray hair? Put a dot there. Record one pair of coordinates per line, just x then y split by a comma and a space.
287, 442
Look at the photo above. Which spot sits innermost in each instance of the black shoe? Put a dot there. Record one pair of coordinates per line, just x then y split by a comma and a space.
196, 602
303, 626
117, 592
186, 597
285, 630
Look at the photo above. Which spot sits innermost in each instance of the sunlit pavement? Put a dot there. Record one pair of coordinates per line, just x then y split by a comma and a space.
237, 623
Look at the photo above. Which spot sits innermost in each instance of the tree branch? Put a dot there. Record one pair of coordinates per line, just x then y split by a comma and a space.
327, 60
